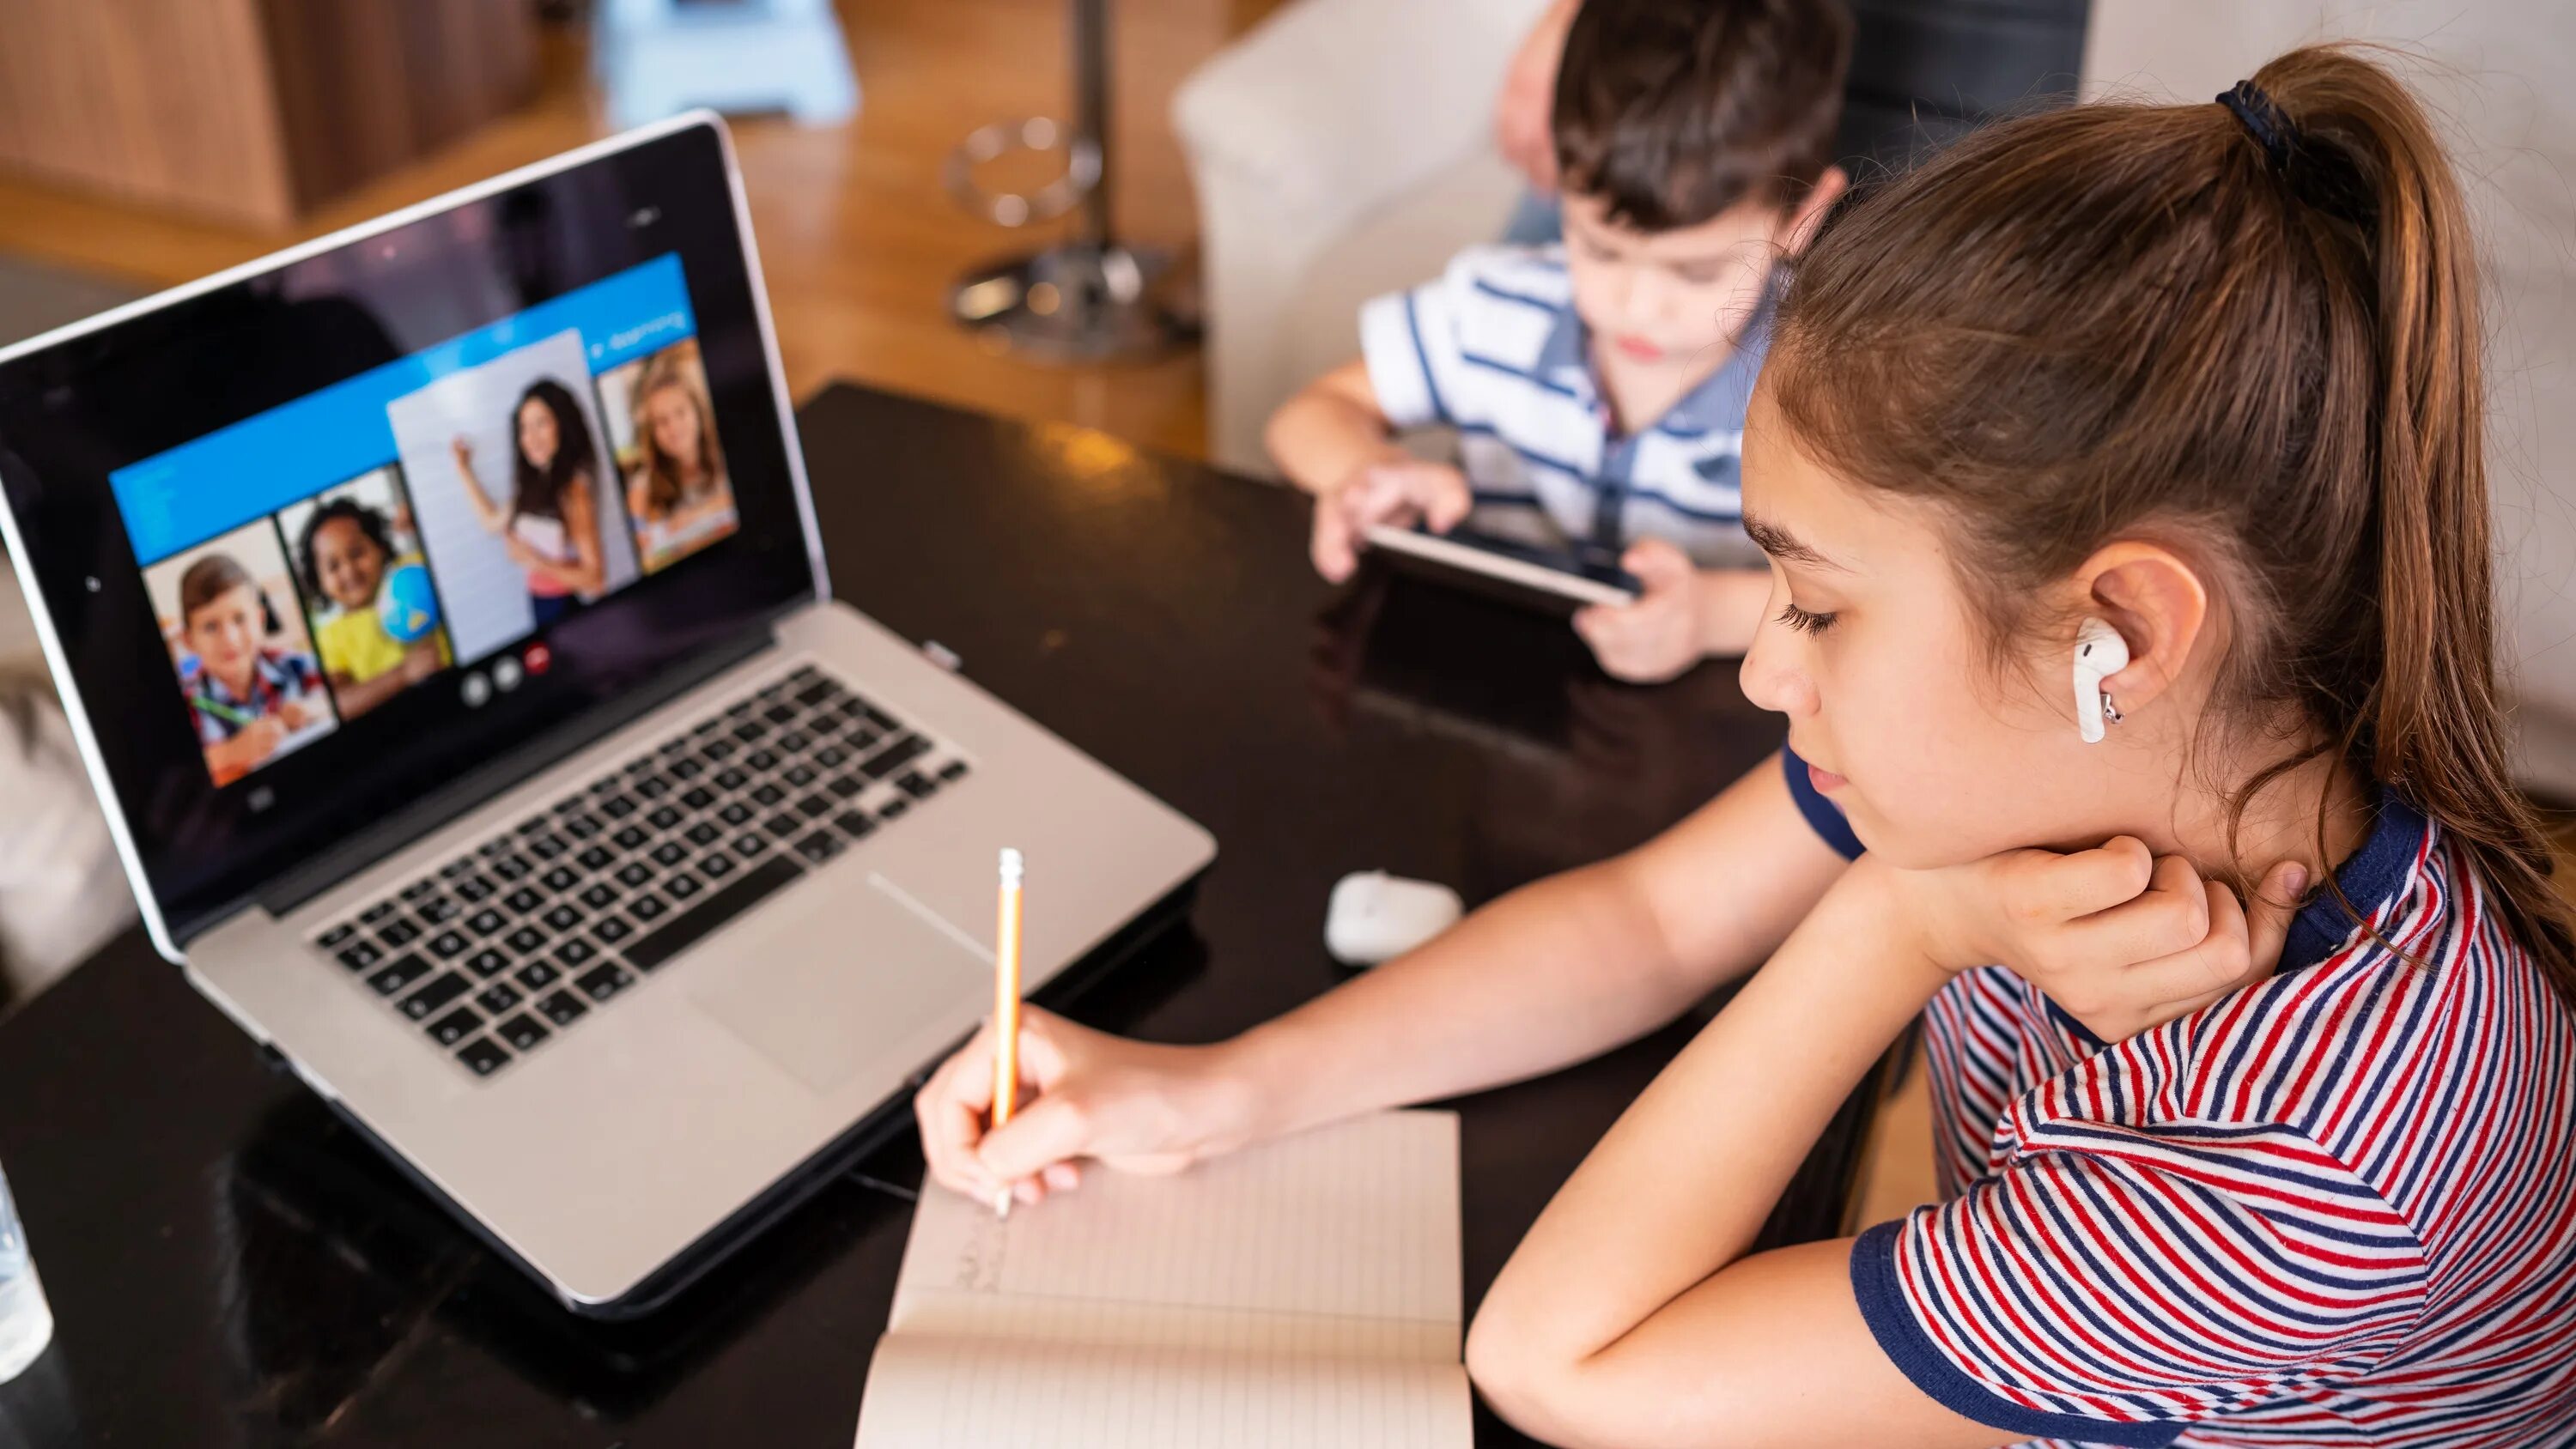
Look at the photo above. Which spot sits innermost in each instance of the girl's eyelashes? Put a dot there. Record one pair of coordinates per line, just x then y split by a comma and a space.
1805, 622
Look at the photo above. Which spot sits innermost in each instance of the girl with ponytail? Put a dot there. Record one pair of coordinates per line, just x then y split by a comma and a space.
2203, 377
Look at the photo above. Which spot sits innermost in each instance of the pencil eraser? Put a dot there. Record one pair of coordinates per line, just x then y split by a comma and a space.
1377, 917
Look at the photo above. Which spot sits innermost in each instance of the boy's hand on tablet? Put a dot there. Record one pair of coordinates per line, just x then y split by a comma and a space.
2122, 939
1134, 1106
1395, 492
1660, 635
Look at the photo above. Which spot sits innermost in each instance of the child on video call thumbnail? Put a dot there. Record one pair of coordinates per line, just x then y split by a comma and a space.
677, 491
375, 617
249, 698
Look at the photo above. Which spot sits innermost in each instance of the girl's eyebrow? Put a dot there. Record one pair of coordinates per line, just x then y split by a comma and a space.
1783, 545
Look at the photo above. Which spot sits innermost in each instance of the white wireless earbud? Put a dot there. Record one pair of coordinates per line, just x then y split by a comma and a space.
2100, 652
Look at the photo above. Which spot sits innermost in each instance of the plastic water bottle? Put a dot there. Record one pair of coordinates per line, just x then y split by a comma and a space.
26, 1324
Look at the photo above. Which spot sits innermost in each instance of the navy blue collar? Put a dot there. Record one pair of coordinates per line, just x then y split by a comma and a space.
2375, 875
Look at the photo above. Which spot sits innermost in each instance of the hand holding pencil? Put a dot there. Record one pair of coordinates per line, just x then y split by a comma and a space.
1006, 1007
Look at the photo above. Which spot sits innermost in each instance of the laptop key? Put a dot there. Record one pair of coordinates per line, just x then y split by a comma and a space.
731, 778
632, 837
717, 907
474, 889
670, 852
448, 945
721, 750
715, 865
483, 1056
653, 787
525, 940
487, 963
582, 827
814, 807
782, 825
599, 895
512, 867
893, 808
916, 784
648, 907
793, 742
611, 929
547, 847
524, 899
847, 786
681, 885
575, 952
419, 888
817, 692
564, 916
561, 878
498, 997
563, 1008
335, 935
798, 776
597, 858
819, 847
953, 770
705, 832
687, 769
604, 980
485, 921
538, 975
521, 1032
665, 816
398, 973
779, 713
734, 813
634, 873
895, 756
360, 956
398, 932
750, 843
855, 822
430, 998
438, 910
767, 794
759, 760
454, 1027
618, 807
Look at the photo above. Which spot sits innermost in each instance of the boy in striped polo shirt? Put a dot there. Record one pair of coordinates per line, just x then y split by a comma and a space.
1598, 387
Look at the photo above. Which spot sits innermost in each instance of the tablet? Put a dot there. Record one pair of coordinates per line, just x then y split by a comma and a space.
1555, 581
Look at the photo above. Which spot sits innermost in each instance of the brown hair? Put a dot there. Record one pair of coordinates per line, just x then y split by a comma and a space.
209, 579
2254, 339
662, 490
1671, 111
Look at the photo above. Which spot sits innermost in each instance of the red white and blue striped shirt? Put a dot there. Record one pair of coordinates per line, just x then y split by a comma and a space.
2337, 1208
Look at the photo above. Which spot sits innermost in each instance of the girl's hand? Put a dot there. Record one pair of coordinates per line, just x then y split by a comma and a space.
1660, 635
295, 716
2120, 938
1134, 1106
1393, 492
463, 450
419, 663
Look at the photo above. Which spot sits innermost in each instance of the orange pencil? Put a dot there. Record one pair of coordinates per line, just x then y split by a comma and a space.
1006, 1006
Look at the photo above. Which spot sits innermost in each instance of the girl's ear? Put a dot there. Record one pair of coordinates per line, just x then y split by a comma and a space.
2159, 603
1829, 188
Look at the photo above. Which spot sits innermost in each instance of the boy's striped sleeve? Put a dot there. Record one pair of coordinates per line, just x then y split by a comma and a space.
2112, 1286
1409, 341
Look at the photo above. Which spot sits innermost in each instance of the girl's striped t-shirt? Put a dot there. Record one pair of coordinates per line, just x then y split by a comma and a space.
2337, 1208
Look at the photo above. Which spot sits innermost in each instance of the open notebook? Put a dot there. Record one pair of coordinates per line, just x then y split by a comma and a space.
1301, 1293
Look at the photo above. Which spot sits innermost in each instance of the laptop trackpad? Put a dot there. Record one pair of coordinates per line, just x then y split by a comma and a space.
841, 982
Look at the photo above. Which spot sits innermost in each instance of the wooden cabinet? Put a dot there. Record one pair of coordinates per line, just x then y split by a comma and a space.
250, 110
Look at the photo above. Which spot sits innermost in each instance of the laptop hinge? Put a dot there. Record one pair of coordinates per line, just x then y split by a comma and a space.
399, 831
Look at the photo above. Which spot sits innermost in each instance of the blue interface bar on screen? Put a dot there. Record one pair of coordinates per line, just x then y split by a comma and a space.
208, 485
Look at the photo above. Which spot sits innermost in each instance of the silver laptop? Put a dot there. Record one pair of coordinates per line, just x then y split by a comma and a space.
440, 611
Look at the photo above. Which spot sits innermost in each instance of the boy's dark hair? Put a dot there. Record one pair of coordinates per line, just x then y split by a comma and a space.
1671, 111
370, 521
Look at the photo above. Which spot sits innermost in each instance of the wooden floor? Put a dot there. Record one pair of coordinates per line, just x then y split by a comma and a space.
857, 237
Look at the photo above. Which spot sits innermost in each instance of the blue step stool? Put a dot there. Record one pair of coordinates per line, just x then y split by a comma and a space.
657, 58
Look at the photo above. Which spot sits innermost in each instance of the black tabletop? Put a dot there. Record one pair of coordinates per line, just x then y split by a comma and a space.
229, 1265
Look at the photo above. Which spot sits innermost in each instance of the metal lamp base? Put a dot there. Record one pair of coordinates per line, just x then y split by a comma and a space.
1074, 302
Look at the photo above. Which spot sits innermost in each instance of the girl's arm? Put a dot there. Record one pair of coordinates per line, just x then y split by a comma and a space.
1550, 974
492, 516
588, 573
1631, 1316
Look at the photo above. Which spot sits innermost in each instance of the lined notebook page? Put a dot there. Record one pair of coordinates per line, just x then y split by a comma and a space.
1304, 1291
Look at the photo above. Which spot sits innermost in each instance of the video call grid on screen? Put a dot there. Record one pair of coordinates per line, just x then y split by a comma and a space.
404, 444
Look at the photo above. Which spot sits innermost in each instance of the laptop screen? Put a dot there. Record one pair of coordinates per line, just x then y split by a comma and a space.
322, 539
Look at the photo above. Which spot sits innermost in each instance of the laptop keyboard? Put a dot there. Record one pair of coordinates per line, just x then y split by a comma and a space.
526, 936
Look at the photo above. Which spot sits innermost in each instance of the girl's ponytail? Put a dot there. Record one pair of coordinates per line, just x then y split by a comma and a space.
2365, 156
